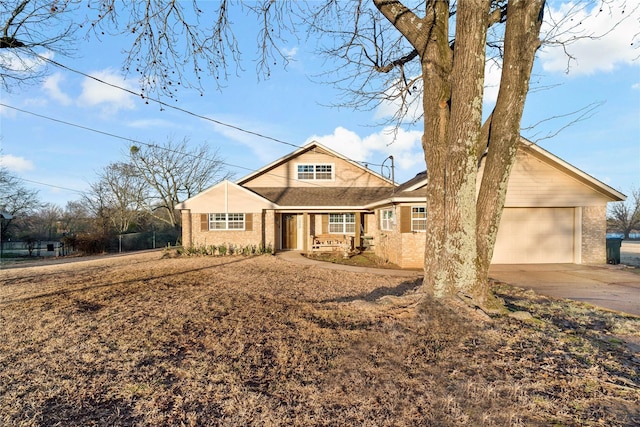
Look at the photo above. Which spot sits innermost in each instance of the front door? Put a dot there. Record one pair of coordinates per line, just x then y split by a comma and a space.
289, 231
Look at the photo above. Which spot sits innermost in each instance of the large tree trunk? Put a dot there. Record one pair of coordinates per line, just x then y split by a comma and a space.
437, 60
461, 226
457, 270
520, 45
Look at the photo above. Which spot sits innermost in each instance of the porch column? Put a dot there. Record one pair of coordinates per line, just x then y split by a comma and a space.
358, 236
269, 229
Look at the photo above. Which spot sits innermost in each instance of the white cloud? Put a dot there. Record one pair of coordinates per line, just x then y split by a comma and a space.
492, 76
13, 61
403, 145
36, 102
345, 142
635, 86
15, 164
290, 53
599, 39
111, 99
51, 85
150, 123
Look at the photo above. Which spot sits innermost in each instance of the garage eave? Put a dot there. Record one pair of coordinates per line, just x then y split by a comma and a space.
597, 185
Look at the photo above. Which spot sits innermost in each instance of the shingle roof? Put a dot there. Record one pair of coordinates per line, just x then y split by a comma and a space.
422, 176
322, 196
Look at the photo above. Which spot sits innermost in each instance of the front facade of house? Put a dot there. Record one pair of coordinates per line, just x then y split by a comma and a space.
313, 197
316, 199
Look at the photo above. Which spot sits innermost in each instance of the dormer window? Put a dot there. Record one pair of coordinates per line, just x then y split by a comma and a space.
315, 172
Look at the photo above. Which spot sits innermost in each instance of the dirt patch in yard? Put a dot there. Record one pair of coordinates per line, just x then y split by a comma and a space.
146, 340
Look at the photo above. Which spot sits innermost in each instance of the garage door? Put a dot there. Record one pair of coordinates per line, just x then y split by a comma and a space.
535, 235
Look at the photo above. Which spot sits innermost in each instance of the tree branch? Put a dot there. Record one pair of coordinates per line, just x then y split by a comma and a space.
398, 62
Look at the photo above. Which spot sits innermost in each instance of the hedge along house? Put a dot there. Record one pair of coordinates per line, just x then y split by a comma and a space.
316, 199
311, 199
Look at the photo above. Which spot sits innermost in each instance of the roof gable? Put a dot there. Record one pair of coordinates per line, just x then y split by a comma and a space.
415, 187
282, 172
567, 168
232, 197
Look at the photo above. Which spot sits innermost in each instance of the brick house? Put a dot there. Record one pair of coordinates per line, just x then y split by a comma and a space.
315, 199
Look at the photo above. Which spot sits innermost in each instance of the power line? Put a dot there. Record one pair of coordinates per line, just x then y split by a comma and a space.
131, 140
112, 135
191, 113
51, 185
164, 104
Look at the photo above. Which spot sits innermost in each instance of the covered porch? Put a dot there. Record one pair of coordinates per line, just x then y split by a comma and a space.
319, 231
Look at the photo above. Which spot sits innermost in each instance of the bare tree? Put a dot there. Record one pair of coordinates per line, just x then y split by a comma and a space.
441, 57
45, 221
175, 172
76, 218
175, 44
624, 217
118, 197
31, 29
16, 200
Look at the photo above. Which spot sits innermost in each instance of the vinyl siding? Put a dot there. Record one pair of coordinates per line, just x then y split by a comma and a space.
535, 183
346, 174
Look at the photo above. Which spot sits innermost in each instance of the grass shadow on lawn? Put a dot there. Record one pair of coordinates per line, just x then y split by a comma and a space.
264, 342
380, 292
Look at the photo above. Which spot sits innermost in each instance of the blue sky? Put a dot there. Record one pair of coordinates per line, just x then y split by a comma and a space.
290, 107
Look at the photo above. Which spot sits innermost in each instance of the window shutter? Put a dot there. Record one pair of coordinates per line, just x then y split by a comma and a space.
325, 223
405, 219
204, 222
248, 222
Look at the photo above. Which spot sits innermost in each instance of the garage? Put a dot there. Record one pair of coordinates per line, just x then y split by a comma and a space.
535, 236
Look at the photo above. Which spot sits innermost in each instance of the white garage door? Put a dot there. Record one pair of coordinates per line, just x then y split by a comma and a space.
535, 235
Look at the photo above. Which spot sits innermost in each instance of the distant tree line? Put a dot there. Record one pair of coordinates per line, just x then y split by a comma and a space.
624, 217
135, 196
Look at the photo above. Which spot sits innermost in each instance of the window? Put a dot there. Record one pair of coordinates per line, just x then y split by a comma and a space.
386, 219
342, 223
230, 221
418, 218
315, 172
305, 172
324, 172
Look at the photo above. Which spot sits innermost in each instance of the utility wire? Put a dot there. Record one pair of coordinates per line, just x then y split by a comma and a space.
51, 185
131, 140
191, 113
164, 104
112, 135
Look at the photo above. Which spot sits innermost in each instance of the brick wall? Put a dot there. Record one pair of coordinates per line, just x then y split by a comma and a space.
404, 249
413, 250
594, 233
218, 237
186, 228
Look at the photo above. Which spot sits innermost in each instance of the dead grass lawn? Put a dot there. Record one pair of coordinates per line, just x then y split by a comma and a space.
141, 340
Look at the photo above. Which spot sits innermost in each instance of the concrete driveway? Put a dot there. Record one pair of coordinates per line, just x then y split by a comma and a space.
606, 286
